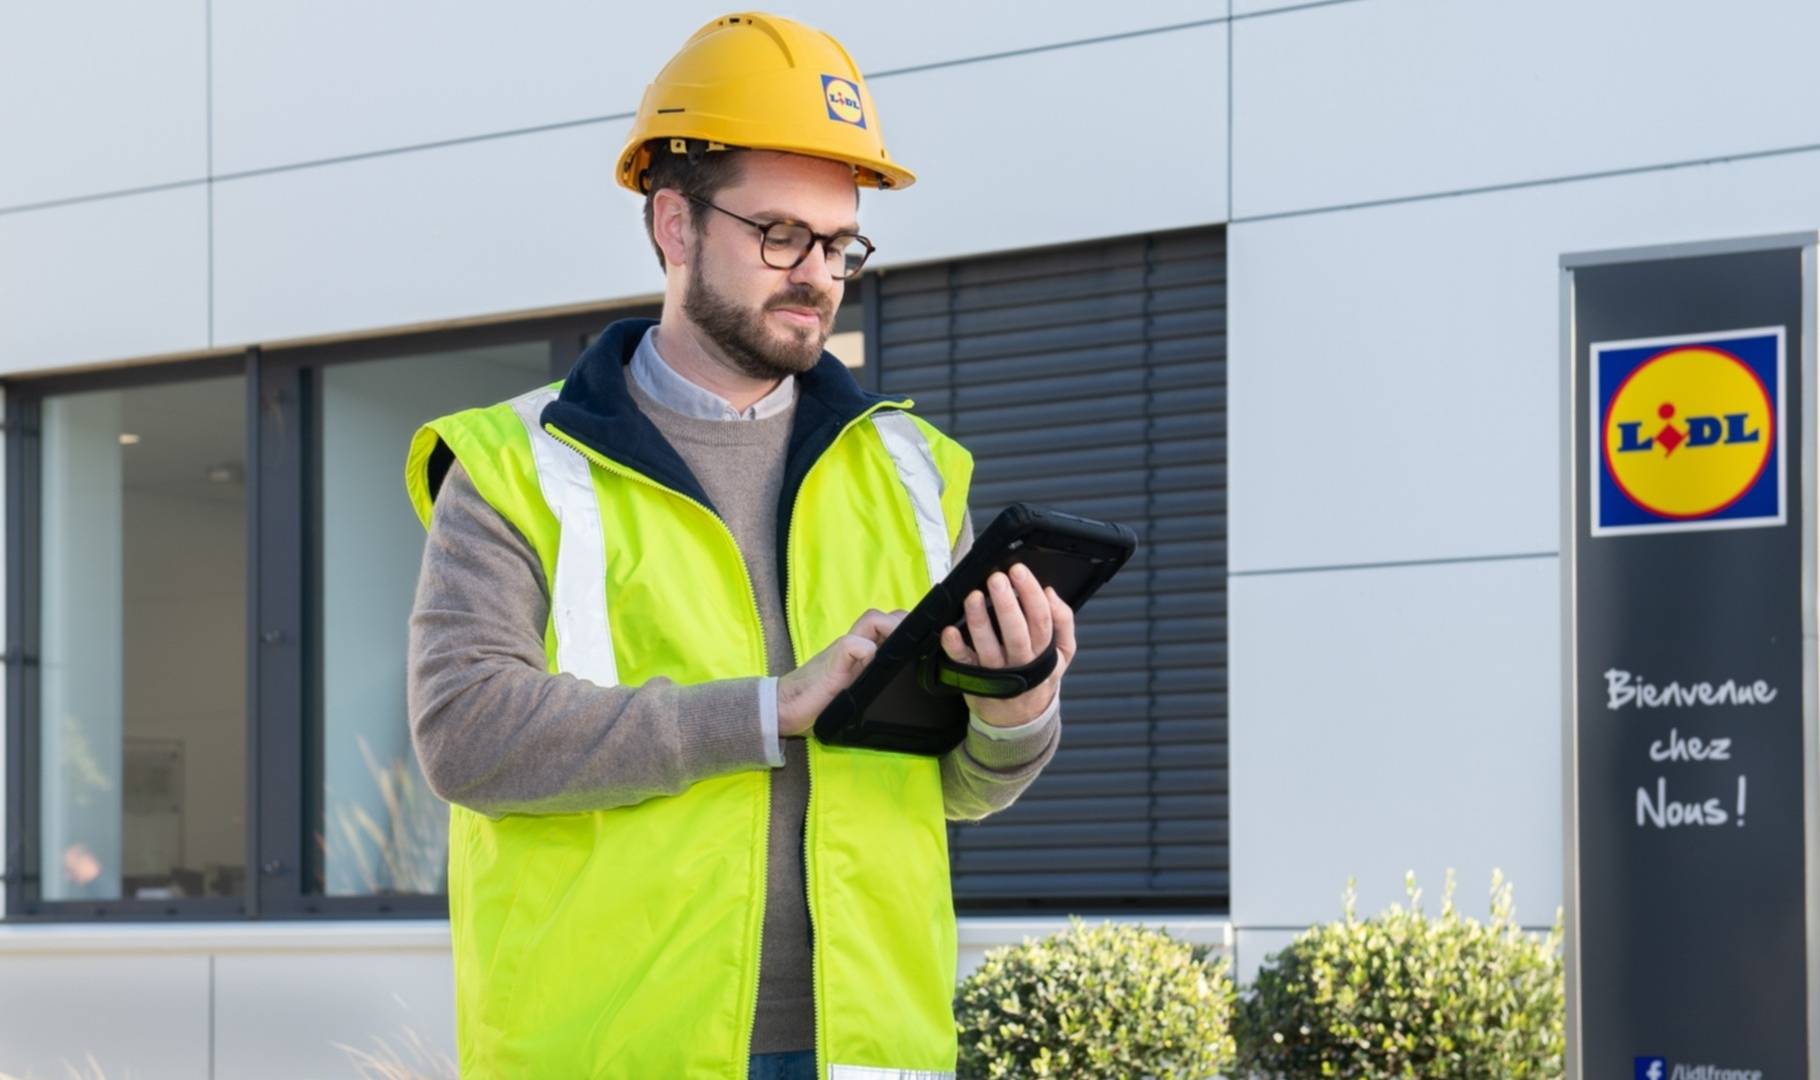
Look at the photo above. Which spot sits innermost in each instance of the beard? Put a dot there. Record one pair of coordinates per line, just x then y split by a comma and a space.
749, 339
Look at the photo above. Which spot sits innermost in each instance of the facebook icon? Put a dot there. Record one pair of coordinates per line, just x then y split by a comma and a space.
1649, 1068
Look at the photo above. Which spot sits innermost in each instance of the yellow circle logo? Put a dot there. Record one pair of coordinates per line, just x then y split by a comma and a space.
842, 98
1689, 432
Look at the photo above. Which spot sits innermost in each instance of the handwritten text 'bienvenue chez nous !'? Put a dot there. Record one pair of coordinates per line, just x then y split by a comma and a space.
1624, 690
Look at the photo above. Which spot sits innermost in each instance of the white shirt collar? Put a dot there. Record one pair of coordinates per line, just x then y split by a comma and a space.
674, 392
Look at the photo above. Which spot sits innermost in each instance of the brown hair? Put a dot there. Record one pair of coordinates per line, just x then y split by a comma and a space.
702, 174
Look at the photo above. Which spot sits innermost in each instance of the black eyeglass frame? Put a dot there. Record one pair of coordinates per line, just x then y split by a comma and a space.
764, 235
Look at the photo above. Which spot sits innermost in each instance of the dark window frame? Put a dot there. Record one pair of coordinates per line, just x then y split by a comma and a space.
24, 865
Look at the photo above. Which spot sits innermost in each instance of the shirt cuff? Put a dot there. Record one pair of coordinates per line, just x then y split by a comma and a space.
1026, 728
767, 720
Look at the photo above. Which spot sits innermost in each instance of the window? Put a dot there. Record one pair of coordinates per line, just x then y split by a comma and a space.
211, 568
142, 530
381, 830
128, 605
343, 797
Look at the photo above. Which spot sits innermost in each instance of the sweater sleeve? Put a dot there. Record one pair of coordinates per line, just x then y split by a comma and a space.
992, 766
497, 733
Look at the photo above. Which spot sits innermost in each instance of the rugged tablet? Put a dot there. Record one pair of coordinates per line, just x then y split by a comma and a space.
908, 698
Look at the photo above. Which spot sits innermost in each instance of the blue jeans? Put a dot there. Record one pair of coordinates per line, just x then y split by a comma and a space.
797, 1065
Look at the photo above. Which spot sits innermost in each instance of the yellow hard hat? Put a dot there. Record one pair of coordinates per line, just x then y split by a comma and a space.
761, 82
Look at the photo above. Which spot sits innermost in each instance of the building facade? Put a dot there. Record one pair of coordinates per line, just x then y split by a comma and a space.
1274, 283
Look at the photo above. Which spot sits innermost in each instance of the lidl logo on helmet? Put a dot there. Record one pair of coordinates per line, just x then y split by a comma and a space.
842, 98
1687, 432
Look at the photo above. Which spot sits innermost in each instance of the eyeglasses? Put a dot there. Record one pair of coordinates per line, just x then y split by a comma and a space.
783, 245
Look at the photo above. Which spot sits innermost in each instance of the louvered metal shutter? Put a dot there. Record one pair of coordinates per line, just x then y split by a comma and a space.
1093, 378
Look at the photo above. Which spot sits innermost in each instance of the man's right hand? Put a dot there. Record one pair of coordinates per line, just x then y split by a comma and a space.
805, 692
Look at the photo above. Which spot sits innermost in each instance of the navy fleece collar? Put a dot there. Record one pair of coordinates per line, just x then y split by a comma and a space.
596, 409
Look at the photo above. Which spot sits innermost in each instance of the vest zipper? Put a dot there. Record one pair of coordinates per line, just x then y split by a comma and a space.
815, 952
763, 652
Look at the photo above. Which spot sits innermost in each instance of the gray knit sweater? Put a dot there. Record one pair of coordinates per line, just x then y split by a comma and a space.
495, 732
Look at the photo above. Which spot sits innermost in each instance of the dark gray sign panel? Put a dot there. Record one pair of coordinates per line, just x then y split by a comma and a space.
1689, 647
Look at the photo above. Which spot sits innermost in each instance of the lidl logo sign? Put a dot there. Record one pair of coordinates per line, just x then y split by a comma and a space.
1687, 432
842, 98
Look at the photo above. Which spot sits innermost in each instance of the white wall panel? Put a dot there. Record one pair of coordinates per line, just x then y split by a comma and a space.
1353, 102
146, 1017
297, 81
885, 38
101, 97
104, 279
1253, 948
534, 220
1241, 8
278, 1017
1033, 150
1395, 370
1393, 720
491, 226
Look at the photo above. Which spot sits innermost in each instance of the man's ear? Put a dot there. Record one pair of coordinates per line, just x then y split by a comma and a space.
670, 225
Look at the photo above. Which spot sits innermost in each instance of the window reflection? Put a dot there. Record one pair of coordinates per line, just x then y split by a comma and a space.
143, 665
381, 830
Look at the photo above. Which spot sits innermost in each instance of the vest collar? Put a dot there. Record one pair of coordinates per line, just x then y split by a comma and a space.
595, 408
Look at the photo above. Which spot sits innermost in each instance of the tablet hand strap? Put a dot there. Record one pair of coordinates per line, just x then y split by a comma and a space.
940, 675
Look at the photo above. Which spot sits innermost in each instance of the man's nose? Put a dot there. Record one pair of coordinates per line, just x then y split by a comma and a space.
814, 269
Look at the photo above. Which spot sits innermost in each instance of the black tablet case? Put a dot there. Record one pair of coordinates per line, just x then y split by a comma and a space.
887, 708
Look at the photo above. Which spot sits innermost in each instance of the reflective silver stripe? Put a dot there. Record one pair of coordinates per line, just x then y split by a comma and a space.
916, 468
867, 1072
578, 596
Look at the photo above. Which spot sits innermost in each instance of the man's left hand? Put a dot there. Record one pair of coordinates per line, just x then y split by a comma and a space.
1029, 615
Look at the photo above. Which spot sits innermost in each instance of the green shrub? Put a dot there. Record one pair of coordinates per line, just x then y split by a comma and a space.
1403, 995
1113, 1002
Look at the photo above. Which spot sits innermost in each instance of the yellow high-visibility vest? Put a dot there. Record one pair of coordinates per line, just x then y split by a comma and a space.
624, 942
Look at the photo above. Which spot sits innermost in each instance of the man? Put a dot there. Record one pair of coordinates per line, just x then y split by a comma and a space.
654, 870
